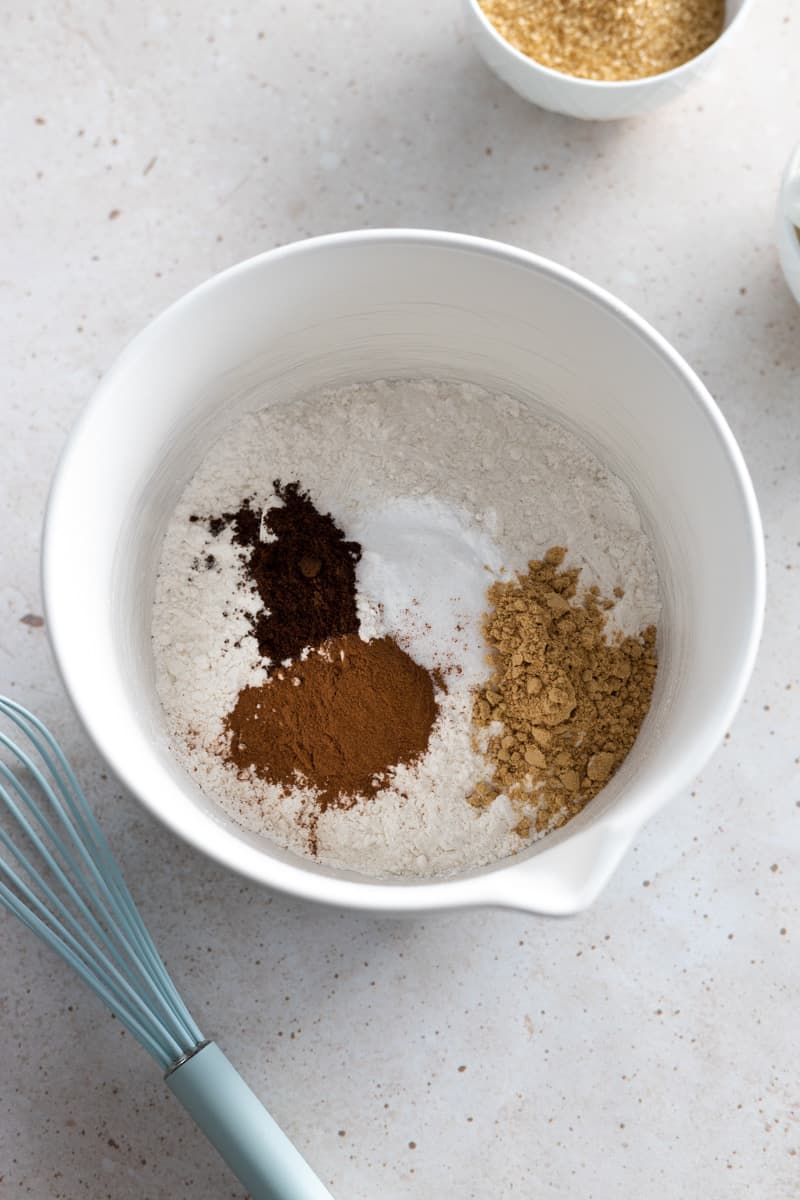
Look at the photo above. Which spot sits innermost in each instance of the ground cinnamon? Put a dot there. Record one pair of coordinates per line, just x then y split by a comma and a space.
335, 722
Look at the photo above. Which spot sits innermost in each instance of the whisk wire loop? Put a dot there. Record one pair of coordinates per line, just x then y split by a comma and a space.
93, 840
104, 865
50, 860
95, 910
90, 977
101, 935
82, 946
126, 974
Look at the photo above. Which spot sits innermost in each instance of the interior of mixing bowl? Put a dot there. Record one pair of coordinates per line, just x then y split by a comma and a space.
354, 308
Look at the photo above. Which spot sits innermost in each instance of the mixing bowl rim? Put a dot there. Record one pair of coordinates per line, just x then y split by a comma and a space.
301, 880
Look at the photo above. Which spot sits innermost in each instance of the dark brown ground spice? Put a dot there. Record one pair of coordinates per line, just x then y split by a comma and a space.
303, 568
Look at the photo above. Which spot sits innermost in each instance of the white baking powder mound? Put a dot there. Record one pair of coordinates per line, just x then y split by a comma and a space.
426, 568
446, 487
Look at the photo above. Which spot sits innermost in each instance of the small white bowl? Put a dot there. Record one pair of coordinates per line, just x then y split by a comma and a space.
367, 305
591, 99
788, 224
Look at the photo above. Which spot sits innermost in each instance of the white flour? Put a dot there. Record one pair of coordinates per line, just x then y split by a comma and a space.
438, 481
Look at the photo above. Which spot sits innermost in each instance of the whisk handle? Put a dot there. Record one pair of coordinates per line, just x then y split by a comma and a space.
240, 1128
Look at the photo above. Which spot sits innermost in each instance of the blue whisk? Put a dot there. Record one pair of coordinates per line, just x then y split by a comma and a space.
58, 875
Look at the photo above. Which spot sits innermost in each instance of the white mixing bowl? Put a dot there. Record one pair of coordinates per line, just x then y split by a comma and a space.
363, 305
591, 99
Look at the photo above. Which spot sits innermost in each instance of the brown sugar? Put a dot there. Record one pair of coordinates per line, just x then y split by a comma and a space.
608, 39
569, 701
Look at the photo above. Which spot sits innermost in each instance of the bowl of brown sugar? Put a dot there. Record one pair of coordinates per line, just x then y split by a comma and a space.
601, 59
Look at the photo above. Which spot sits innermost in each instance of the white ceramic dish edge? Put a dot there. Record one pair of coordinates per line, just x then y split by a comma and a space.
787, 226
590, 99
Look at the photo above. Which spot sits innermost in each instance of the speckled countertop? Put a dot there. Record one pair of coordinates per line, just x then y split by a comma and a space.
648, 1047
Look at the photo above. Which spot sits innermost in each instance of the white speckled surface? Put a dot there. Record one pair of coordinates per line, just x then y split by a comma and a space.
645, 1048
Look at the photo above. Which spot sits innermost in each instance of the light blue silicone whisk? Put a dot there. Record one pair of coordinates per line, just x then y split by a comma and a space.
59, 877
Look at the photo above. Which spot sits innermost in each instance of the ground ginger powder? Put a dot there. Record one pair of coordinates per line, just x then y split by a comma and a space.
570, 702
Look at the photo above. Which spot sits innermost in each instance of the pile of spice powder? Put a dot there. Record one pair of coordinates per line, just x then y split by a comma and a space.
302, 567
388, 459
570, 703
608, 39
338, 721
335, 713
